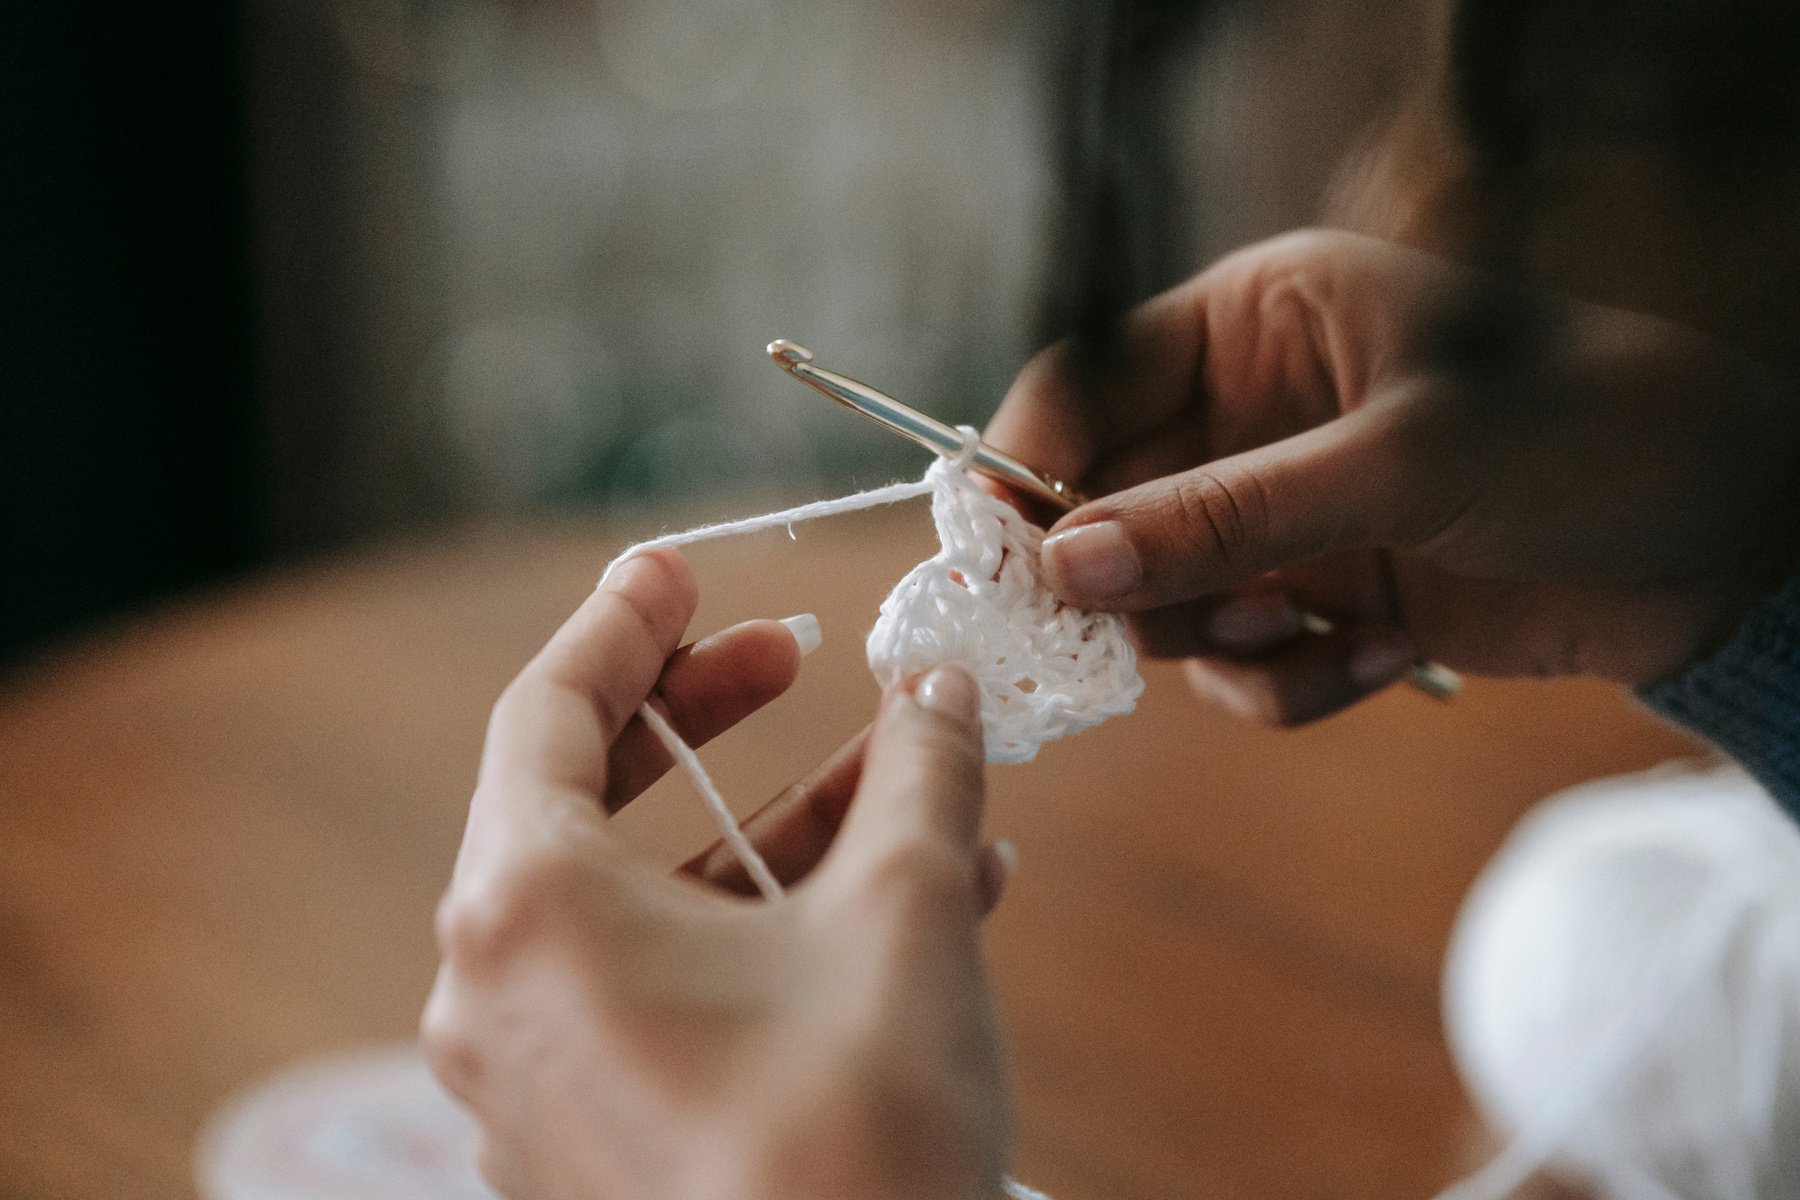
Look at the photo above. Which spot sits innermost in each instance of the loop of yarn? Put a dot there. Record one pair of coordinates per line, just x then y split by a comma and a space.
1044, 670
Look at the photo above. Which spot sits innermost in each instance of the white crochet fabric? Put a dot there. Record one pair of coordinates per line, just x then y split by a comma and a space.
1044, 670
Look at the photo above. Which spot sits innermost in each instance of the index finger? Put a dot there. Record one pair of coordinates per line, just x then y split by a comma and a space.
555, 725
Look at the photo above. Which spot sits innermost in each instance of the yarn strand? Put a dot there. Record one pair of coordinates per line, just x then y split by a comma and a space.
893, 493
729, 829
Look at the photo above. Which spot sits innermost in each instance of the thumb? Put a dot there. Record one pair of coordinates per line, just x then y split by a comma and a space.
1368, 479
921, 794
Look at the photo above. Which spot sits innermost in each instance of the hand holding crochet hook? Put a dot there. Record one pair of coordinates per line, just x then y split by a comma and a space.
1027, 488
1445, 469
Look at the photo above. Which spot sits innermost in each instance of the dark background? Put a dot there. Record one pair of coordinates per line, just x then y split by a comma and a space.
127, 443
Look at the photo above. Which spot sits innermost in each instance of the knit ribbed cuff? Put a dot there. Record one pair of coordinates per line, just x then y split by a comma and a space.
1746, 698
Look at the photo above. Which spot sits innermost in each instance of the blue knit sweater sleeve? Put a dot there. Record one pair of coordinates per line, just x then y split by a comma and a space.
1746, 698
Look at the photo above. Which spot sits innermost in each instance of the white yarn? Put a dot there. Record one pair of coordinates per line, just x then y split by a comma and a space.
733, 833
1044, 670
1622, 992
893, 493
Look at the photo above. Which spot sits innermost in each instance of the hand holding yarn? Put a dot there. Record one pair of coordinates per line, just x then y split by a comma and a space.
619, 1032
691, 1008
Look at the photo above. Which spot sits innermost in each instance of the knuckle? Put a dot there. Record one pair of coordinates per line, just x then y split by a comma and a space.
450, 1048
475, 929
1306, 245
467, 924
1047, 371
484, 921
1265, 270
1311, 247
1221, 512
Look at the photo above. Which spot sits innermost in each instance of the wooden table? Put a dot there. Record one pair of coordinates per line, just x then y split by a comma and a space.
222, 831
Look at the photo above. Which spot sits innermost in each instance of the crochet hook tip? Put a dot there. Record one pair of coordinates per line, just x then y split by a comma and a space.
788, 355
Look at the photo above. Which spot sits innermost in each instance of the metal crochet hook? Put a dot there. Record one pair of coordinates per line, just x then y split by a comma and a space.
1435, 680
914, 425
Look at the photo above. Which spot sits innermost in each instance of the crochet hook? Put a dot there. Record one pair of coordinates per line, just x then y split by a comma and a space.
1434, 679
914, 425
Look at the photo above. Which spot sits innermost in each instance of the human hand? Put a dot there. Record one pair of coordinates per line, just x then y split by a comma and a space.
624, 1034
1510, 484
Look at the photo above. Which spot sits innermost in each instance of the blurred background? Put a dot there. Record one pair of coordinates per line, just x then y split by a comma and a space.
289, 275
348, 338
293, 274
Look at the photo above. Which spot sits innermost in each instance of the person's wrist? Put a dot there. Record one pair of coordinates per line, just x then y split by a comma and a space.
1745, 697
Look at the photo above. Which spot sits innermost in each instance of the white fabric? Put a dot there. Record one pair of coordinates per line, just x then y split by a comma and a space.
1044, 670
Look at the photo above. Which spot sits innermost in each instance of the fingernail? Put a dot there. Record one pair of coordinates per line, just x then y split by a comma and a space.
806, 631
950, 691
1380, 660
1008, 854
1254, 622
1093, 562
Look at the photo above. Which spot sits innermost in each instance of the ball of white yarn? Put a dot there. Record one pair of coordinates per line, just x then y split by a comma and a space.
1044, 670
1623, 987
